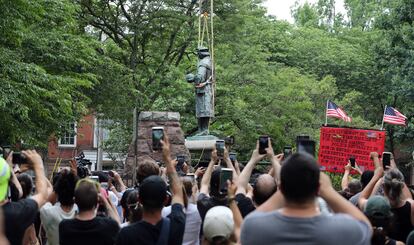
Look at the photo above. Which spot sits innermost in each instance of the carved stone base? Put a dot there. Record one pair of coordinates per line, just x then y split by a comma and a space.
141, 147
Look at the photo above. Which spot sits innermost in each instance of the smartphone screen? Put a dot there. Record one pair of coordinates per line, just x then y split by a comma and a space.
94, 178
233, 156
180, 163
220, 148
352, 161
192, 176
306, 146
225, 174
287, 151
157, 136
386, 159
263, 144
19, 158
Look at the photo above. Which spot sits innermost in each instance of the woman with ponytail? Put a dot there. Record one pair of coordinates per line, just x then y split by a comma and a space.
397, 195
401, 204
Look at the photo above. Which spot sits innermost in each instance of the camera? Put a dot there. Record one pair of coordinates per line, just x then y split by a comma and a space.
82, 165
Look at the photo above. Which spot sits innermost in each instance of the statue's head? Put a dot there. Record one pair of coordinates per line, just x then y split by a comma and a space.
202, 52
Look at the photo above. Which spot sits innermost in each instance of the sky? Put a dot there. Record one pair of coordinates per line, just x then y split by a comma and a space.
281, 8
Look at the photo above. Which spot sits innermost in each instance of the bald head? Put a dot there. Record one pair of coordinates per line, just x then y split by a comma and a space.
264, 188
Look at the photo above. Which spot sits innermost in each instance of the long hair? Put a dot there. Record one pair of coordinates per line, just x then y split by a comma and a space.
393, 184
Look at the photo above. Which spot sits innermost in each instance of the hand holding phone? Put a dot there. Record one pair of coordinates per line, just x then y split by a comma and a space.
263, 144
287, 151
225, 174
306, 146
352, 161
220, 148
233, 157
157, 136
180, 163
19, 158
386, 159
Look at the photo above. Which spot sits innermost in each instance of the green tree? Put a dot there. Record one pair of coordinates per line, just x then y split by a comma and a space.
45, 68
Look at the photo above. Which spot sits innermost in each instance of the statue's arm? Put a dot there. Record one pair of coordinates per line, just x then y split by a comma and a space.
201, 74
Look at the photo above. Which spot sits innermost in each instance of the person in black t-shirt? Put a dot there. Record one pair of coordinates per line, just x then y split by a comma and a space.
21, 214
153, 229
87, 228
210, 195
265, 185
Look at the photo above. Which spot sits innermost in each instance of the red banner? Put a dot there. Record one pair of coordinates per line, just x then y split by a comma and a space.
338, 144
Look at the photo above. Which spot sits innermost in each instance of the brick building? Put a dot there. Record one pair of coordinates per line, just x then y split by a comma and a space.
82, 138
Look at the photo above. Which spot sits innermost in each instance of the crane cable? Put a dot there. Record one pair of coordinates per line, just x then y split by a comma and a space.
203, 29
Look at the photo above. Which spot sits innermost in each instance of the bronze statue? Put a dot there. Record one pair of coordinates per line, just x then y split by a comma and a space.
203, 90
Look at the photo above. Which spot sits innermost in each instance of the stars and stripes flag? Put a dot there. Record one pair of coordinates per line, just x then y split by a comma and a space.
332, 110
392, 116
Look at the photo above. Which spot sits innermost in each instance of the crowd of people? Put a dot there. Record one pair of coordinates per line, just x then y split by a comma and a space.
293, 202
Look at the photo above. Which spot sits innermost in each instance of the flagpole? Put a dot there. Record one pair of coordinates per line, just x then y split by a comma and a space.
326, 113
382, 125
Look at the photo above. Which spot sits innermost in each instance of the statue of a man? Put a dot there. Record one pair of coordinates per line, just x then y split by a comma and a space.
203, 90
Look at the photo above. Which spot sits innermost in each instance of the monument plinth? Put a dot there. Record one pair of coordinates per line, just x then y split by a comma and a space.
141, 147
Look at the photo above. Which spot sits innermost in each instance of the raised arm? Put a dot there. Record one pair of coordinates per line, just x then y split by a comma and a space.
119, 181
345, 177
175, 182
366, 192
274, 160
229, 164
244, 177
276, 166
205, 181
13, 177
36, 163
237, 217
237, 167
336, 202
110, 209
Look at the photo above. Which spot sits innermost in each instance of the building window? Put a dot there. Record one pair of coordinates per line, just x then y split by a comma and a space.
68, 139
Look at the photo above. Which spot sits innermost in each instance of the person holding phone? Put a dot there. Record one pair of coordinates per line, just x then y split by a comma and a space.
265, 185
153, 228
353, 186
291, 215
397, 194
21, 214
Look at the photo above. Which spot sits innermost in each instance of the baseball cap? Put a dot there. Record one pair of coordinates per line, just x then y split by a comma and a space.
378, 207
218, 223
152, 191
4, 178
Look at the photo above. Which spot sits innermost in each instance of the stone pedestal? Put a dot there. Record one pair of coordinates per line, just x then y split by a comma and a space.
207, 142
141, 147
200, 148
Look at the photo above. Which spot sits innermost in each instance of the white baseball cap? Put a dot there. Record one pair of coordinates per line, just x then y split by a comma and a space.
218, 223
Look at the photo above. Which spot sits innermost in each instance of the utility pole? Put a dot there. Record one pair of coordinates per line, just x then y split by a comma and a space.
100, 151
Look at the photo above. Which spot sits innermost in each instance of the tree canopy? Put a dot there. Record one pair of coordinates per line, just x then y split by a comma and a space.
60, 59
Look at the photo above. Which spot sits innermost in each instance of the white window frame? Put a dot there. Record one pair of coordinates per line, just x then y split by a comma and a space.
74, 141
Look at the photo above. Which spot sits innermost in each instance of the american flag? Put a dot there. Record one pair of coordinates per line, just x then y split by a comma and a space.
334, 111
392, 116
